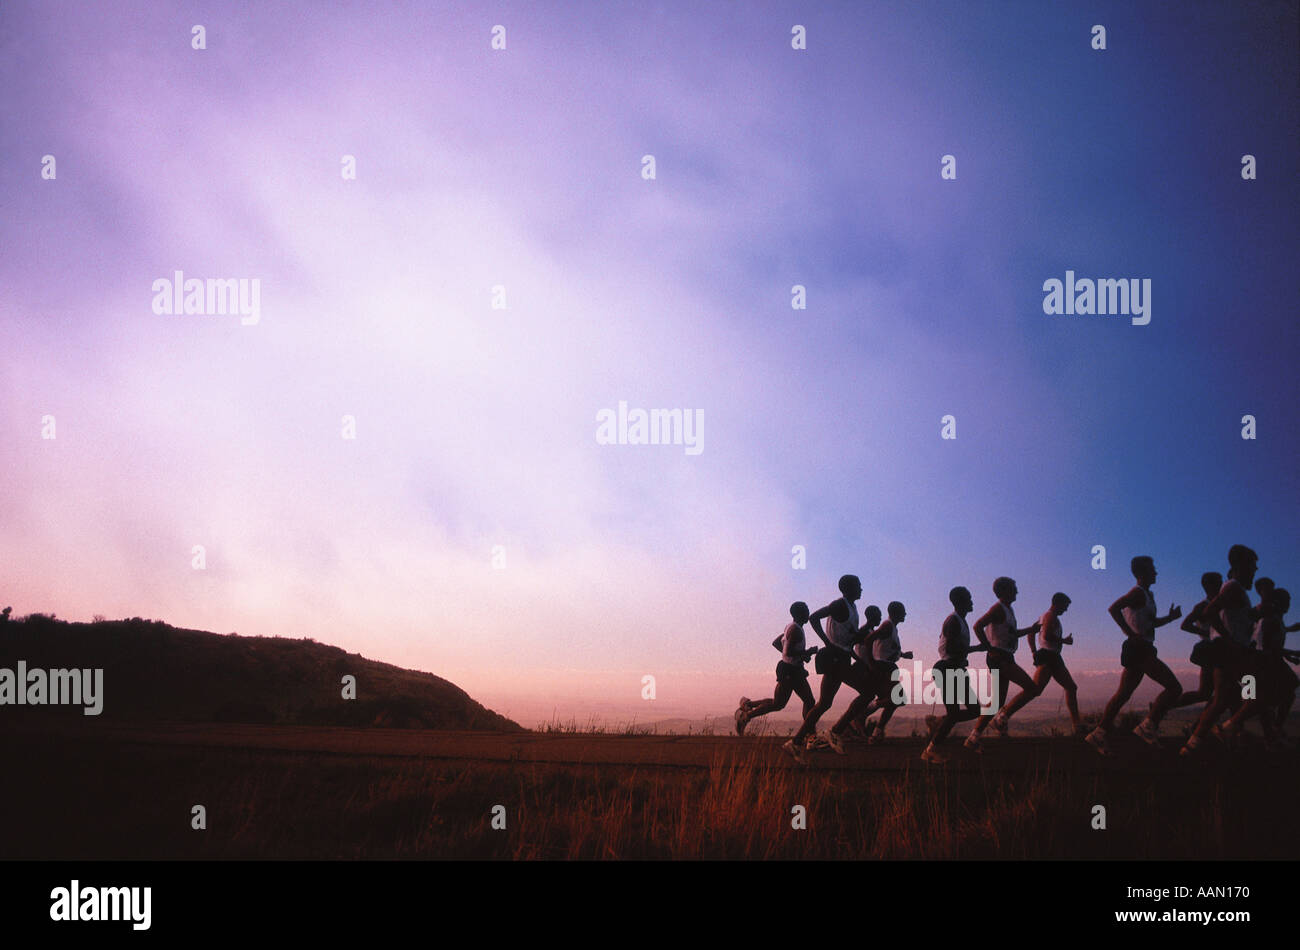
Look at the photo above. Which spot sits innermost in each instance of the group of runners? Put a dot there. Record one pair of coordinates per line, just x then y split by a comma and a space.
1245, 668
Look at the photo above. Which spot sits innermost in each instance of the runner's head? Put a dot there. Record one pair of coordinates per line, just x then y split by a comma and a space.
1004, 589
961, 600
897, 612
1264, 585
1060, 603
873, 616
1211, 581
799, 612
1144, 569
1243, 563
850, 586
1278, 601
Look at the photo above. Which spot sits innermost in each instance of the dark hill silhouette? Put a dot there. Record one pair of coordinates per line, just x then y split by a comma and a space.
153, 671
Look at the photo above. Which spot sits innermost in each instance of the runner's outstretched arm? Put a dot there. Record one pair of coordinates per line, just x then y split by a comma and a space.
1174, 613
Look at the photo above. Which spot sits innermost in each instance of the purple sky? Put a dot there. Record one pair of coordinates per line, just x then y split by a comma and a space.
476, 427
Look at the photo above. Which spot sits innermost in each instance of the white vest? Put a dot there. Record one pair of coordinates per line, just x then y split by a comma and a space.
1050, 638
1237, 619
792, 645
1142, 621
842, 634
887, 649
963, 644
1002, 636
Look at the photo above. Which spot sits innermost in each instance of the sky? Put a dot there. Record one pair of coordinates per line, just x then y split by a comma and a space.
475, 526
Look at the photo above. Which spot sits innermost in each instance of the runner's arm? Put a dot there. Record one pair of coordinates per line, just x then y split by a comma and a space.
984, 621
815, 619
1132, 599
1216, 604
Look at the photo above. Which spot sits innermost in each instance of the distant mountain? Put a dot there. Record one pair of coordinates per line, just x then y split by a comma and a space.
153, 671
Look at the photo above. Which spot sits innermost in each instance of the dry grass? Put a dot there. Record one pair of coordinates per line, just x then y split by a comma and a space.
301, 805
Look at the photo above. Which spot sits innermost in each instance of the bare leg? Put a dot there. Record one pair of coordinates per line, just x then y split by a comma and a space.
1163, 675
1128, 682
804, 692
1030, 691
1071, 697
778, 700
1004, 687
1224, 687
1203, 693
858, 709
830, 686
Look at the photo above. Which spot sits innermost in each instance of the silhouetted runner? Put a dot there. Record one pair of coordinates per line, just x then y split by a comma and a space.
951, 673
1049, 665
834, 662
1229, 612
791, 677
1135, 614
1001, 640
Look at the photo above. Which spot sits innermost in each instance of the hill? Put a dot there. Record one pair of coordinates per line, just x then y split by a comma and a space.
153, 671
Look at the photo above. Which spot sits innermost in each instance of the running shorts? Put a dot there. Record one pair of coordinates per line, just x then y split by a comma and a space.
881, 677
1284, 679
1135, 652
789, 673
1000, 659
1050, 659
1203, 654
832, 660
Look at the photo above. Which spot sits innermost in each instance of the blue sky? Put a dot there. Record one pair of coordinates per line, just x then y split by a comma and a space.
476, 427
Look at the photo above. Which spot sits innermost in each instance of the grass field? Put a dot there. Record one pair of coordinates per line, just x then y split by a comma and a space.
126, 791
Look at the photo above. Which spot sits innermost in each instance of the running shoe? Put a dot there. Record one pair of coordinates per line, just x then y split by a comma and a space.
1097, 739
794, 751
931, 754
834, 742
1147, 731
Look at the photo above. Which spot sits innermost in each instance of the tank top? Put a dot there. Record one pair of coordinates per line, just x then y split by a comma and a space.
1237, 619
887, 649
842, 634
792, 645
1002, 636
1051, 634
860, 649
1204, 628
1259, 637
958, 649
1142, 621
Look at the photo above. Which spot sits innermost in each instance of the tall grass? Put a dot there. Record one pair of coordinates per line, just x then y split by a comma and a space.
742, 806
